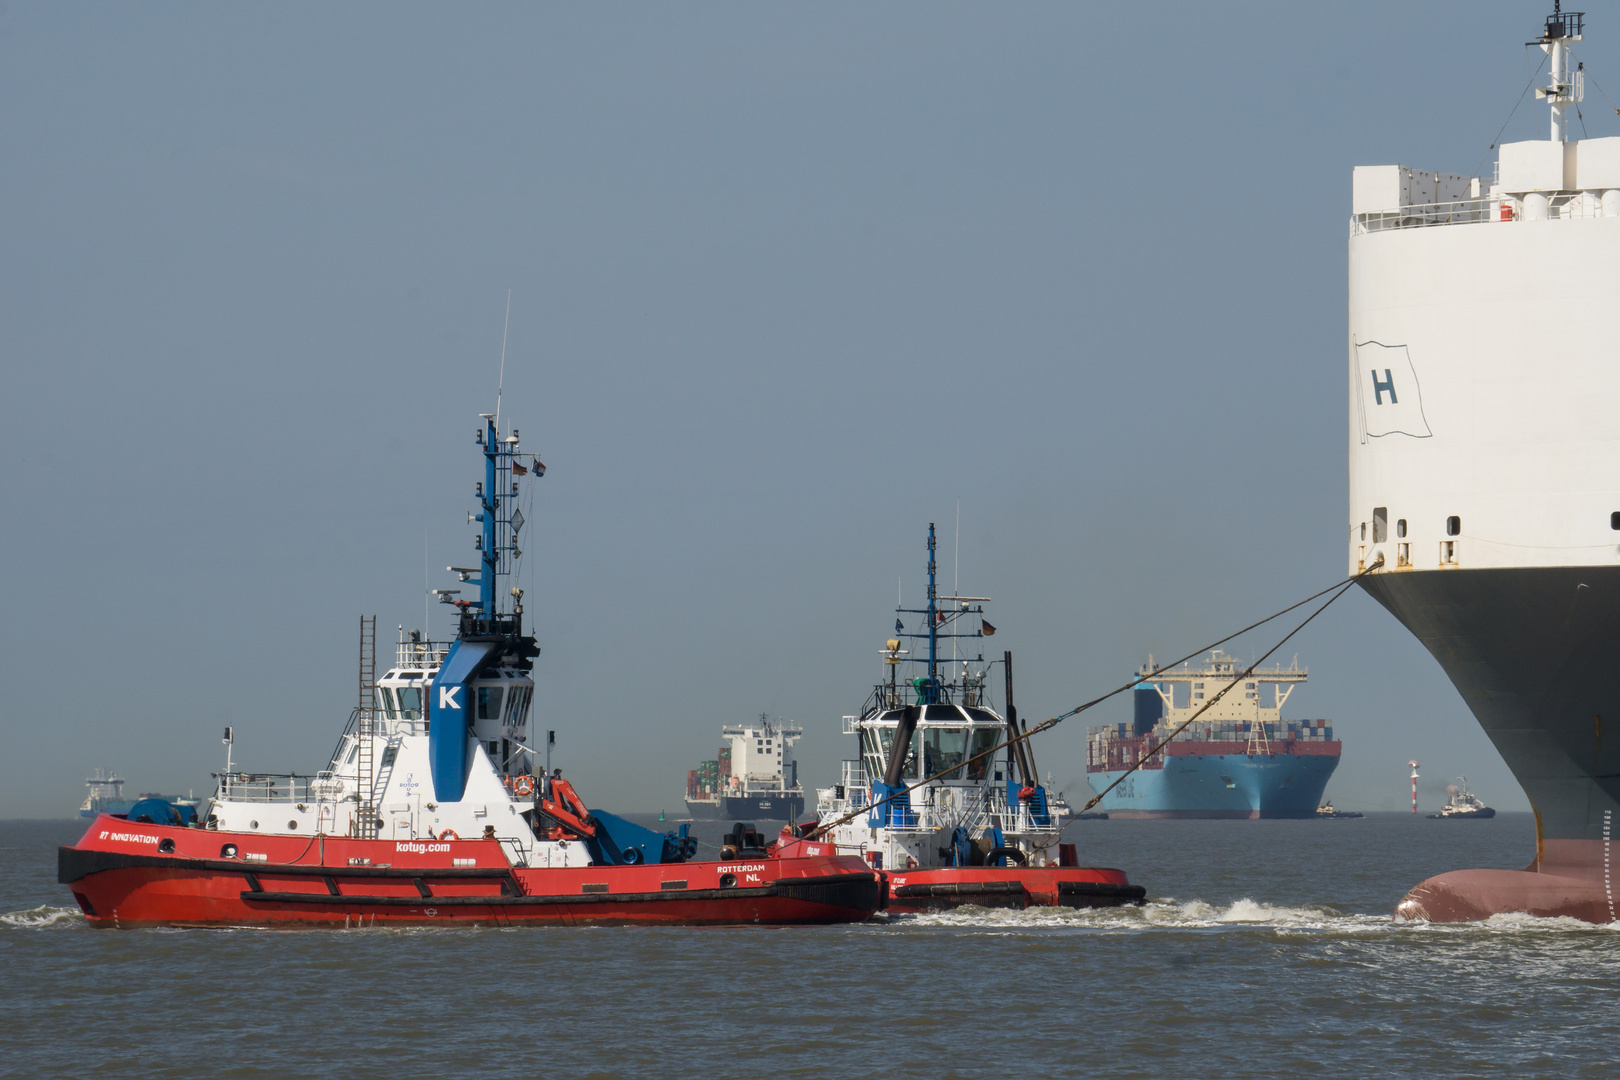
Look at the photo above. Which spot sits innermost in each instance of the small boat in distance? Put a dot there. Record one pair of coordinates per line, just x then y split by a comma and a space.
1461, 803
1326, 810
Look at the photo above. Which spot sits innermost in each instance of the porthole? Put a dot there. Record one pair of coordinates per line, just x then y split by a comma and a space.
1454, 525
293, 824
1400, 529
1614, 520
253, 824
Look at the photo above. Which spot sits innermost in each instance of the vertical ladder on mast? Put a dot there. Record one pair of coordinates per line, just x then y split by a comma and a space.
365, 723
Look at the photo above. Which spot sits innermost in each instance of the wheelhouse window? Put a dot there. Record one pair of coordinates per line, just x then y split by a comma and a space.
386, 697
984, 740
410, 702
517, 705
875, 746
944, 749
489, 703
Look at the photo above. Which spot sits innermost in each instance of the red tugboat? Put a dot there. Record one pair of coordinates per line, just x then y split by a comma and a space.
432, 811
929, 804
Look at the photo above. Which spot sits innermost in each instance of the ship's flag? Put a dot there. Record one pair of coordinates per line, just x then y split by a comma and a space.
899, 627
538, 466
518, 470
986, 628
1389, 399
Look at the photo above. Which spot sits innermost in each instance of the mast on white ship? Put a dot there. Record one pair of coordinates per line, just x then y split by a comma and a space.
1564, 88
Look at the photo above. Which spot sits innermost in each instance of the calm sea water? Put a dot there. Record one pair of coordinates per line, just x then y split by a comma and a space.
1267, 951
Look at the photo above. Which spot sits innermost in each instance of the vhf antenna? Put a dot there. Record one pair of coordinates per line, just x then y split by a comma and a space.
500, 383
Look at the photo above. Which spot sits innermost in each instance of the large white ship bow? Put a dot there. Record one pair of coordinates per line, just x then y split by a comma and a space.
1484, 450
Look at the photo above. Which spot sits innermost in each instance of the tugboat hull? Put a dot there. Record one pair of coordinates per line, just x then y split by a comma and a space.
1011, 887
127, 875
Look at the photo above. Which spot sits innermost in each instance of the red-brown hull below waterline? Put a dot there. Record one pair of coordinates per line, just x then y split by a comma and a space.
1572, 880
127, 876
1019, 887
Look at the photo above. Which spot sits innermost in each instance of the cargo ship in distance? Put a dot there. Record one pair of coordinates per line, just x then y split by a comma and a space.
1240, 760
754, 776
105, 795
1485, 469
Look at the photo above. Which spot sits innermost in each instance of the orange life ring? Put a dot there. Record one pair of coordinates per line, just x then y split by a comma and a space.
523, 785
449, 834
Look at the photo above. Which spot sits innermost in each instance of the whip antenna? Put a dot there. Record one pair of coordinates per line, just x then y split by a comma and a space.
500, 384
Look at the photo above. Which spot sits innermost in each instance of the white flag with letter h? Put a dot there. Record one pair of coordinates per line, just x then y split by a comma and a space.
1387, 393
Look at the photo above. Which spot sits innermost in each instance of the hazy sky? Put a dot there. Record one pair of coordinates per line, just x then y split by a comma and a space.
788, 282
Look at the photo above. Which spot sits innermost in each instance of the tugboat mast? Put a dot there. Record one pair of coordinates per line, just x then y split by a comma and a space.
931, 691
501, 521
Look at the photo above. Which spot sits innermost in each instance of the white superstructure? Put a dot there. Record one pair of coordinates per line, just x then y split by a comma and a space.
1483, 381
762, 760
501, 782
969, 804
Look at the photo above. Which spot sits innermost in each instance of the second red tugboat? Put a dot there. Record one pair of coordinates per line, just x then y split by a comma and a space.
434, 809
933, 805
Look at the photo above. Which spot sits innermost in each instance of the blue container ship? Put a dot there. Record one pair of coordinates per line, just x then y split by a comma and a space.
1240, 759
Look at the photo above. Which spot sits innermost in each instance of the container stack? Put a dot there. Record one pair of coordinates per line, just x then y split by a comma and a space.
703, 781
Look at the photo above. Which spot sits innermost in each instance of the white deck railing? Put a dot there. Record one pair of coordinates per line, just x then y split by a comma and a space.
939, 807
1560, 206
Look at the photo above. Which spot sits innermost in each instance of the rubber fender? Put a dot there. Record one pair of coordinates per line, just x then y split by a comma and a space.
1005, 852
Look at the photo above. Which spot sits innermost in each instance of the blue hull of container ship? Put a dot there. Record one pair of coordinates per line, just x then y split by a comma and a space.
1220, 786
